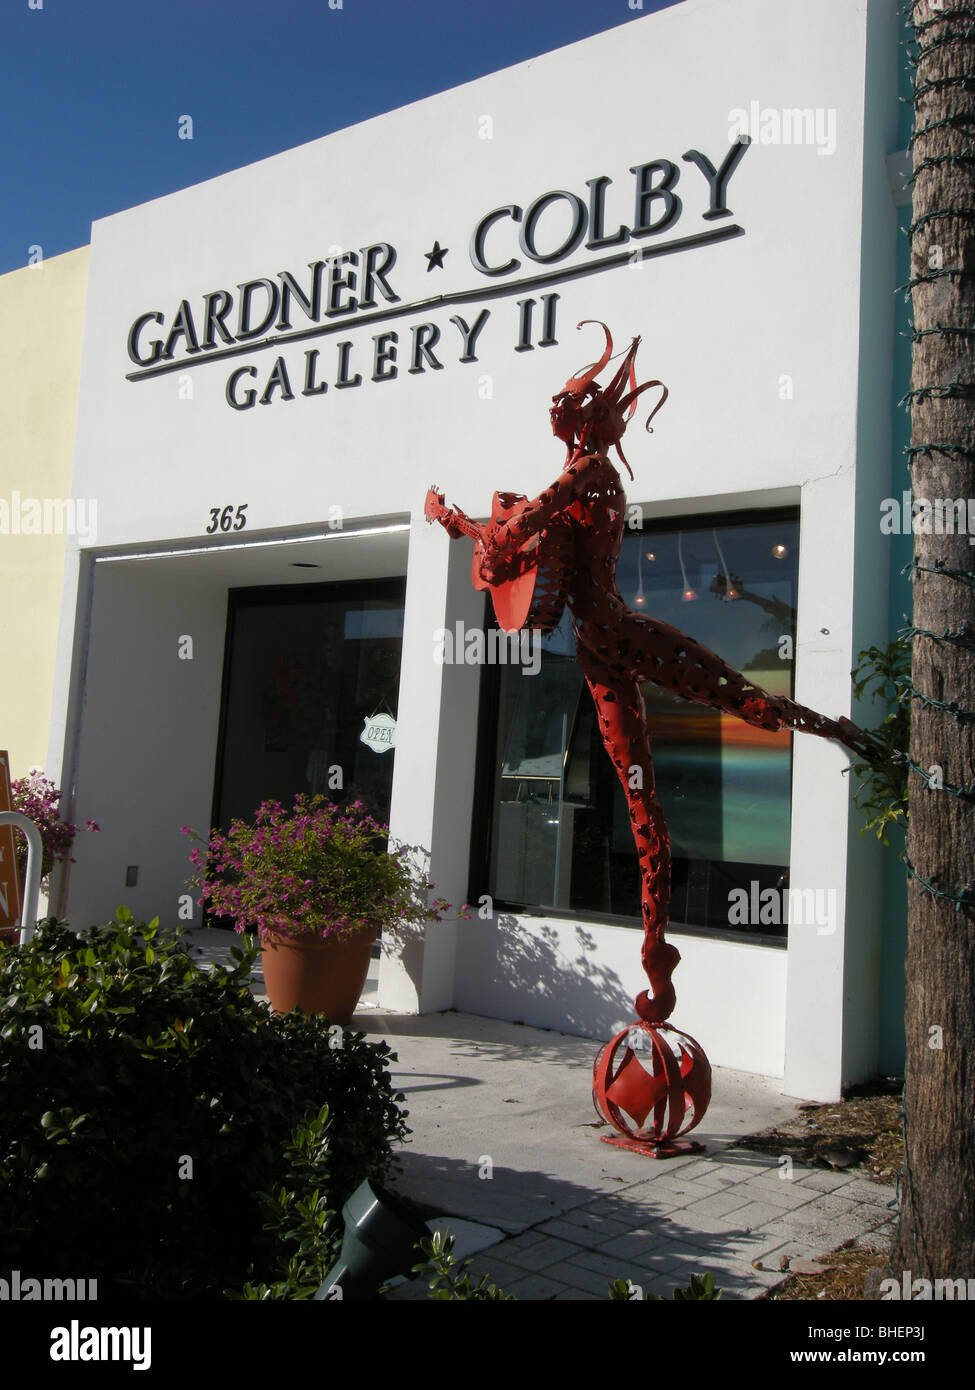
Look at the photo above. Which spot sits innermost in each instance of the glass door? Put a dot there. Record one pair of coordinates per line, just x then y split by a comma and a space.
310, 689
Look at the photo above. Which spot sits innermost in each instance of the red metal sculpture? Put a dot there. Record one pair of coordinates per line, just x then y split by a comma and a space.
562, 547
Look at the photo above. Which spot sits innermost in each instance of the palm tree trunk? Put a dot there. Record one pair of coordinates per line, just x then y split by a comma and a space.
936, 1231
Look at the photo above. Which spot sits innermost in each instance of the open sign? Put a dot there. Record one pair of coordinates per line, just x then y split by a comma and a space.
379, 732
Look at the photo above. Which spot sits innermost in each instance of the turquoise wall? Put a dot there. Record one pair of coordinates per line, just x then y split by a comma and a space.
891, 1041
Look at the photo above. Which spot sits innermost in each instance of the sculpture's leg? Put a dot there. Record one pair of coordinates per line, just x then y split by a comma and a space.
650, 1103
650, 650
623, 727
650, 1106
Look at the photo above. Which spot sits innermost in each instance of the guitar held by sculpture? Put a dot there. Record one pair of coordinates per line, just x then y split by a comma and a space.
532, 590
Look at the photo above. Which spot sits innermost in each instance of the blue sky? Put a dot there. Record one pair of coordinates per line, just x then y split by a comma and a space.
92, 91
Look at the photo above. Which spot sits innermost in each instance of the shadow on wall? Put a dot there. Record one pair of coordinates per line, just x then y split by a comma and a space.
520, 969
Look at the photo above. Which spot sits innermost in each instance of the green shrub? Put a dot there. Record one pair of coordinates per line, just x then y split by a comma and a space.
306, 1230
145, 1103
448, 1279
699, 1289
880, 784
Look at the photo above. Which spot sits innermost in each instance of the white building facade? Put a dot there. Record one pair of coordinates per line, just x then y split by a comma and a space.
277, 364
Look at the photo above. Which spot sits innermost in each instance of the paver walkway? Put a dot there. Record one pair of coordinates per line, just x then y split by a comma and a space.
568, 1214
504, 1136
731, 1213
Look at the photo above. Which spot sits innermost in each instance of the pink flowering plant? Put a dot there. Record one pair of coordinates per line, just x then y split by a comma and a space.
36, 797
315, 870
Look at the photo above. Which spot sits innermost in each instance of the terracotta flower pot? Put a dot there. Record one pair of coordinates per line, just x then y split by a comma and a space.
316, 976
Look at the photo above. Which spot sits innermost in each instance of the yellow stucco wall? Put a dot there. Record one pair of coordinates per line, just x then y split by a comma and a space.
42, 313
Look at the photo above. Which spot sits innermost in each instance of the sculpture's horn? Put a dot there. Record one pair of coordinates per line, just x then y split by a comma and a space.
626, 369
588, 374
630, 400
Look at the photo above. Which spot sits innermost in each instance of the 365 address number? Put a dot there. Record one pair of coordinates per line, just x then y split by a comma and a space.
223, 518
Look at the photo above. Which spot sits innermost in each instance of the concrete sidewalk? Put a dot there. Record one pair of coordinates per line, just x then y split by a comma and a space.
505, 1136
505, 1146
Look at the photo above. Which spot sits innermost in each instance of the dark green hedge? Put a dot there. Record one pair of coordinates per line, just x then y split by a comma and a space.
145, 1102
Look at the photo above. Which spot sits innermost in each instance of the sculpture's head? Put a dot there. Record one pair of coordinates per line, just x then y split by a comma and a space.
588, 416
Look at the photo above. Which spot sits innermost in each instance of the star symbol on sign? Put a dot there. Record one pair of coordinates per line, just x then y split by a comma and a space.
435, 257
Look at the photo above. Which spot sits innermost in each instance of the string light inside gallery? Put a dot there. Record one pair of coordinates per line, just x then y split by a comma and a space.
640, 599
730, 592
689, 594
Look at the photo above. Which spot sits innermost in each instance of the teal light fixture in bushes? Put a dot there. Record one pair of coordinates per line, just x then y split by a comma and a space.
381, 1233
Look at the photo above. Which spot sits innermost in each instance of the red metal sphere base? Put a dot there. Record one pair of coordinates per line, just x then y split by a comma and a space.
652, 1069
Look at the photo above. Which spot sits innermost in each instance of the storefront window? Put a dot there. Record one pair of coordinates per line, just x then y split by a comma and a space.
559, 834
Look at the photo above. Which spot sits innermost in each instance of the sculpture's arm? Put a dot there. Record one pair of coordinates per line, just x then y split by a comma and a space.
504, 541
